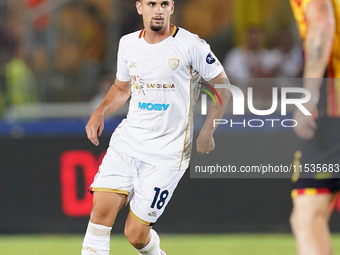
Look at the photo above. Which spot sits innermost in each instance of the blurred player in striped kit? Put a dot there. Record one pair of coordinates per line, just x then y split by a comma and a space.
313, 193
159, 67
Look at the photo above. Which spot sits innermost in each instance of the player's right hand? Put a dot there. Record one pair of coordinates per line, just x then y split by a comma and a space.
94, 128
205, 144
306, 127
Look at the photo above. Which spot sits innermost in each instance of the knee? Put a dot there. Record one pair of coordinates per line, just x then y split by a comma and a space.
136, 238
295, 223
101, 217
302, 222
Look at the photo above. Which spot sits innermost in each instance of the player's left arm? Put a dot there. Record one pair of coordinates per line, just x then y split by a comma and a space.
205, 141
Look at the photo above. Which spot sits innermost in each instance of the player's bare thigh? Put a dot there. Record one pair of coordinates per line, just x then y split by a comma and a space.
307, 207
106, 206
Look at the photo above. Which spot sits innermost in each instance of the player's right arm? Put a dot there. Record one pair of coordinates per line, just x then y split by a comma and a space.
118, 94
318, 46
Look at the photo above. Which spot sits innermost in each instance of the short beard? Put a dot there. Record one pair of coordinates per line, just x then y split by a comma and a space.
156, 28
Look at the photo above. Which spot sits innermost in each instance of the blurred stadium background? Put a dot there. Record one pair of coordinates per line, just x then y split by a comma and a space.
57, 61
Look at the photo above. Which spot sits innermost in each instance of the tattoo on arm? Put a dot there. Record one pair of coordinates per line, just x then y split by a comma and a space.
323, 7
314, 56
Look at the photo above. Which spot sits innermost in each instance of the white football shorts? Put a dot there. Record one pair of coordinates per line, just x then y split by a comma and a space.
147, 187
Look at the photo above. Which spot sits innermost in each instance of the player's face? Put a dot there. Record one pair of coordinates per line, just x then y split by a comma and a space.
156, 13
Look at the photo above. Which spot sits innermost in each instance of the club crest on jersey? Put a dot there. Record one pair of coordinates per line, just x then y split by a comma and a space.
133, 65
173, 63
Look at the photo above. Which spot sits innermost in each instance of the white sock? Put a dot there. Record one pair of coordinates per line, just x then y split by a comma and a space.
152, 248
96, 240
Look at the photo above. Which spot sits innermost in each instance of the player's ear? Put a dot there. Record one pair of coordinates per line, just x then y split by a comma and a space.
172, 6
139, 7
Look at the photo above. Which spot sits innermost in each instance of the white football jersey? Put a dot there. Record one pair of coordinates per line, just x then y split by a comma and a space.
159, 125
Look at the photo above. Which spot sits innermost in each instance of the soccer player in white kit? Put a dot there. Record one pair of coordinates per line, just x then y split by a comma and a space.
159, 67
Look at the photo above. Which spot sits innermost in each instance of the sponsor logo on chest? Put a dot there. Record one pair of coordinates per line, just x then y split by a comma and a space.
153, 107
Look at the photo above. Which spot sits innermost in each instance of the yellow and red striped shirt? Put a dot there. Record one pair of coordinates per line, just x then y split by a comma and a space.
333, 69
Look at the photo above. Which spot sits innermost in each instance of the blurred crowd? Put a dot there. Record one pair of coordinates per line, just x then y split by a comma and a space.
248, 64
51, 51
60, 51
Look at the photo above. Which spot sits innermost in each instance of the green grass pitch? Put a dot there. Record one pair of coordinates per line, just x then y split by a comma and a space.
236, 244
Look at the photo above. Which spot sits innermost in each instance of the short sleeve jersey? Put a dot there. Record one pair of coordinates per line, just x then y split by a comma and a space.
158, 128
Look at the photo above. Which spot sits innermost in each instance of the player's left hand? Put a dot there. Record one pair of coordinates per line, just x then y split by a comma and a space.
205, 144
